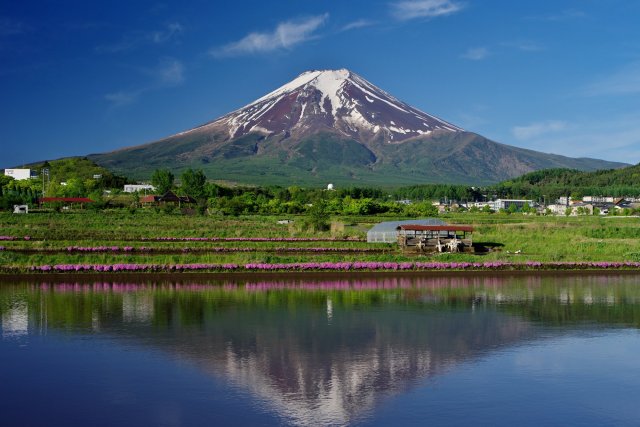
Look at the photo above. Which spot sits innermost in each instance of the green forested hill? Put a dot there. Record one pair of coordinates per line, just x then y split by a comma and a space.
552, 183
547, 184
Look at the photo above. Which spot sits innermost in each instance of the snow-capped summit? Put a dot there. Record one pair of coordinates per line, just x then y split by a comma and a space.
334, 126
336, 99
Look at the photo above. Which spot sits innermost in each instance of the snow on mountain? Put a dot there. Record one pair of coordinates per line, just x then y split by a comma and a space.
335, 99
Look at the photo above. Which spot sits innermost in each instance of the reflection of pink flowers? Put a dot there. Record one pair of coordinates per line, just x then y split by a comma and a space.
337, 266
7, 238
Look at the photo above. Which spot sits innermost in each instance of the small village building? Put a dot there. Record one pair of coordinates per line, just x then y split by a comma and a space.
20, 174
149, 199
386, 232
168, 197
581, 209
436, 238
598, 199
20, 209
134, 188
498, 204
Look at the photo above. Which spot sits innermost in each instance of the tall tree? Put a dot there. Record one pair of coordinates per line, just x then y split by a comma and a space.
162, 179
193, 183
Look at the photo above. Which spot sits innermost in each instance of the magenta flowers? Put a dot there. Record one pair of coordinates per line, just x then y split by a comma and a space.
335, 266
249, 239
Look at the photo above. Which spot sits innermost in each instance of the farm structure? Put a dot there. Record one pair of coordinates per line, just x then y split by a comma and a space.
168, 197
386, 232
435, 238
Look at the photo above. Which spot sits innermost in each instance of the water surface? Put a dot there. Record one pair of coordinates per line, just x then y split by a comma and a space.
376, 350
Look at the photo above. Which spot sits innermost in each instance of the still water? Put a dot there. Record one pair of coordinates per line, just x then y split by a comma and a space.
365, 350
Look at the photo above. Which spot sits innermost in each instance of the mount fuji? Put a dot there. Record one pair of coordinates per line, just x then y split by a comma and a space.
335, 126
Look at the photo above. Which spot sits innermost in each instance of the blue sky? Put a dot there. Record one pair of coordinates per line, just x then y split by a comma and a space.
81, 77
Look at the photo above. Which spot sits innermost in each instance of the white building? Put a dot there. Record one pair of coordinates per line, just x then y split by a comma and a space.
19, 174
598, 199
133, 188
498, 204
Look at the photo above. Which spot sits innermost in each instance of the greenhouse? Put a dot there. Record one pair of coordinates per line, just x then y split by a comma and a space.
386, 232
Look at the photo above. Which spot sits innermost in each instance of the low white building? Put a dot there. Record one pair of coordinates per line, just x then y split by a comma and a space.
574, 209
498, 204
20, 209
19, 174
598, 199
133, 188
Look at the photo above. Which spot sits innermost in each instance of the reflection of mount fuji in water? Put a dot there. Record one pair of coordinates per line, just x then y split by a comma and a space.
318, 352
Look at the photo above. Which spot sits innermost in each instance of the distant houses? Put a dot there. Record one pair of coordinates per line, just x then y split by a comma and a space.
20, 174
168, 197
134, 188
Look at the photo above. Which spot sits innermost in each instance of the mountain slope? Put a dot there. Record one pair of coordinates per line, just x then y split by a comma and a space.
334, 126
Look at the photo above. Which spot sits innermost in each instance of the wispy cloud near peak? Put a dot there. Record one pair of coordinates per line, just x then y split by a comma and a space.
360, 23
537, 129
139, 39
172, 30
476, 54
625, 81
285, 36
168, 73
122, 98
412, 9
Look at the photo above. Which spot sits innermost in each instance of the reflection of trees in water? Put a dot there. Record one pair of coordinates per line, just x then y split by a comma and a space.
322, 351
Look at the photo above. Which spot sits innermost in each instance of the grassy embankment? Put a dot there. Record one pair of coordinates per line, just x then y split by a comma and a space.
49, 235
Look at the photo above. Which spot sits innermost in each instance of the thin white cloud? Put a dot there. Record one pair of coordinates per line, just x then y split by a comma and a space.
535, 130
122, 98
168, 73
163, 36
623, 82
412, 9
138, 39
285, 36
360, 23
476, 54
615, 140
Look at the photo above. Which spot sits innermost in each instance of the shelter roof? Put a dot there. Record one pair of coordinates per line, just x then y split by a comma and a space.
449, 227
392, 226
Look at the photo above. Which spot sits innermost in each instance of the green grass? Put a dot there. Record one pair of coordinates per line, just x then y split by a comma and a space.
536, 238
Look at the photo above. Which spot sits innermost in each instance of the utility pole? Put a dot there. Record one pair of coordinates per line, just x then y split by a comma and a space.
44, 171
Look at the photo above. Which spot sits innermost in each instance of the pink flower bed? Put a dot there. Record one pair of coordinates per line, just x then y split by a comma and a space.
103, 249
248, 239
336, 266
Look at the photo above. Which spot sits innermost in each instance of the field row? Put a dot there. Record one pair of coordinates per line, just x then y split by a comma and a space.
325, 266
144, 250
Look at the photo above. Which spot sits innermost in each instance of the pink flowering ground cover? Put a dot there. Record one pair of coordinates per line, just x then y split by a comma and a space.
327, 266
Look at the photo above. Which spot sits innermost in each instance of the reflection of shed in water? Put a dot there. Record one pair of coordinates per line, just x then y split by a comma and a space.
436, 238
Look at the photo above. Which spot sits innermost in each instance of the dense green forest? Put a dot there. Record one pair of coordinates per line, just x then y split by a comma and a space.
83, 178
553, 183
